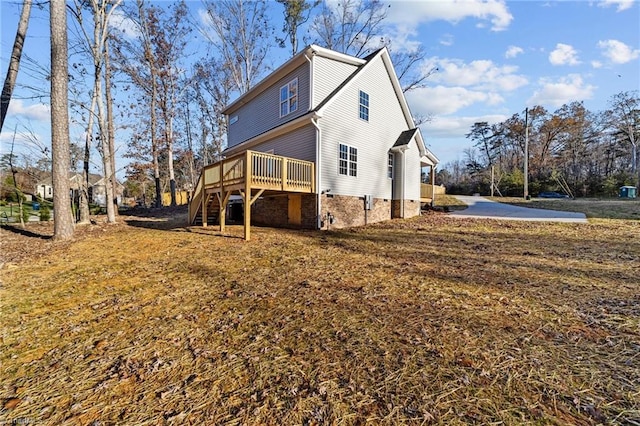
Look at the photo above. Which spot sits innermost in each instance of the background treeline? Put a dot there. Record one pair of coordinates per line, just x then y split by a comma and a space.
594, 153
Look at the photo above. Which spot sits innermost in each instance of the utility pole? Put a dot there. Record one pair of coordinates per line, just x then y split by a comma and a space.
526, 154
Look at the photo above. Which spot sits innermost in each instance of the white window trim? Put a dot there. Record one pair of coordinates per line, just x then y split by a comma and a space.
348, 160
390, 164
361, 105
287, 101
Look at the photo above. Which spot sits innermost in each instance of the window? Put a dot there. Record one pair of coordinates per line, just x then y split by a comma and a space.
364, 106
390, 166
348, 164
289, 97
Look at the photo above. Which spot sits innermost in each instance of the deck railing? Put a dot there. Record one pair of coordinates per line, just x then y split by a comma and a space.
267, 171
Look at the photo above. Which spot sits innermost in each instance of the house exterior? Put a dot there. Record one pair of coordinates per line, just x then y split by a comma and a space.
325, 141
347, 115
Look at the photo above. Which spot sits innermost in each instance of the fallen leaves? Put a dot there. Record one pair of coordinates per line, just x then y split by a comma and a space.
405, 322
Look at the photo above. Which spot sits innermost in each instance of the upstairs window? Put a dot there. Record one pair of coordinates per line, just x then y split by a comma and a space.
348, 164
364, 106
289, 97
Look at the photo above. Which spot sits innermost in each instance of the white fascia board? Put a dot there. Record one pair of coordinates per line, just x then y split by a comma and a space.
336, 56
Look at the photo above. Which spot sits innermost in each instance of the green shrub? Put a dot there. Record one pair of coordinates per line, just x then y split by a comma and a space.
45, 213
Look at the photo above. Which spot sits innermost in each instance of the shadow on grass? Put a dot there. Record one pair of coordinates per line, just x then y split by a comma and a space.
164, 218
26, 232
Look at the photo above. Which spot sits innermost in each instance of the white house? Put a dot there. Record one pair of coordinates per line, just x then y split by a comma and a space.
345, 116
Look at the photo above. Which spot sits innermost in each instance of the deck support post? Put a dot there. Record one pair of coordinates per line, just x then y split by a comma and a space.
247, 195
223, 200
205, 201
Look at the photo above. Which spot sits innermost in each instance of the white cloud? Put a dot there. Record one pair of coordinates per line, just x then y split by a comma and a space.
618, 52
564, 54
596, 64
121, 22
36, 112
446, 40
513, 51
479, 74
412, 13
456, 127
441, 100
564, 90
621, 4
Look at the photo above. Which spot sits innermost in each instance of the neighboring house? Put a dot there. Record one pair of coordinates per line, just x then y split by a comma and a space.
44, 190
347, 117
98, 193
96, 189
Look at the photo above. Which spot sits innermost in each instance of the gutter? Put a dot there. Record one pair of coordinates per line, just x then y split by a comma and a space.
314, 121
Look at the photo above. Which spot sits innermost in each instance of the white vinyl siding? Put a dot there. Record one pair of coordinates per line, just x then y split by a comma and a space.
412, 172
328, 74
262, 113
300, 144
340, 124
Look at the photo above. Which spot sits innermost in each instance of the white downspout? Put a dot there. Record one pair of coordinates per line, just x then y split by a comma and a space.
314, 121
404, 182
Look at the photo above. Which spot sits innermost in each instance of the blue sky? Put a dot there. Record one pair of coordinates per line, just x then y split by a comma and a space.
494, 59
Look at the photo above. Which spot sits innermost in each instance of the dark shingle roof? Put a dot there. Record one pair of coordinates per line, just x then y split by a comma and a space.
405, 137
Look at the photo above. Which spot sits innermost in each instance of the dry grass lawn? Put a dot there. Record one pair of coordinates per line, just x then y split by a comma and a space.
424, 321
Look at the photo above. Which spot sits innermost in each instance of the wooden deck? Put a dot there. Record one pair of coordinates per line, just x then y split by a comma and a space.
266, 172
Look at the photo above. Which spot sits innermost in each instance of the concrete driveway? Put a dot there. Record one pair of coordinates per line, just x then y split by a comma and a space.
480, 207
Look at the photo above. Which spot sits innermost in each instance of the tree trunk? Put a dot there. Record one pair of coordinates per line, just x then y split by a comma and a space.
154, 142
172, 177
85, 213
15, 181
110, 127
14, 63
63, 217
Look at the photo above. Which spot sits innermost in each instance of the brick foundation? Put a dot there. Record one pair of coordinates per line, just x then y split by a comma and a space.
274, 211
411, 209
270, 211
349, 211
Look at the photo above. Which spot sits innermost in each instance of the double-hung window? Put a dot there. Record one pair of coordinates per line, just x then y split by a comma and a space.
390, 166
348, 164
289, 97
364, 105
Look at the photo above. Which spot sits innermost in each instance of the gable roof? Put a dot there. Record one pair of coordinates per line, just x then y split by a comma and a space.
405, 137
293, 63
362, 64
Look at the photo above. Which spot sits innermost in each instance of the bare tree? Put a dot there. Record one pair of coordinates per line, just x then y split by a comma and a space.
241, 36
353, 27
63, 218
14, 62
624, 118
96, 40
